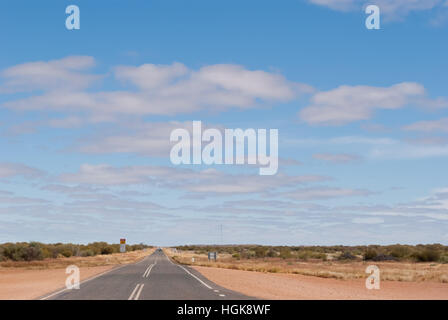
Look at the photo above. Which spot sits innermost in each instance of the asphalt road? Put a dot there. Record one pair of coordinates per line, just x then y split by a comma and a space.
154, 278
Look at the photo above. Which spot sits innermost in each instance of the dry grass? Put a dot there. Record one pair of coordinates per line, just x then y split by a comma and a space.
394, 271
99, 260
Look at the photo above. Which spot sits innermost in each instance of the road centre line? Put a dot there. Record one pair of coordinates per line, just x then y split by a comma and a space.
82, 282
148, 270
136, 292
139, 291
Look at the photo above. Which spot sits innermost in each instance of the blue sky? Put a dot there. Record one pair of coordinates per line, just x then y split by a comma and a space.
86, 116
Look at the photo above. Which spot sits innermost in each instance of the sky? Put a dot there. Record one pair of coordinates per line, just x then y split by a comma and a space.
86, 117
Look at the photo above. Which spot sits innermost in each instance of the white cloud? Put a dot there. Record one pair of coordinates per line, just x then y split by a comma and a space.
325, 193
392, 9
150, 76
8, 170
384, 148
149, 139
336, 157
346, 104
340, 5
409, 151
372, 220
429, 126
63, 74
205, 181
429, 141
161, 89
344, 140
59, 188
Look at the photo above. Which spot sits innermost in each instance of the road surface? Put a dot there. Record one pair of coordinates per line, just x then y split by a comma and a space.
154, 278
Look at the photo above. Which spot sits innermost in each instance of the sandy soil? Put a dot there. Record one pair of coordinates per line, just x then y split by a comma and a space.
295, 286
20, 284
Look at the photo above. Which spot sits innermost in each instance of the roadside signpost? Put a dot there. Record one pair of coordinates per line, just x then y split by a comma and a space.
212, 256
122, 245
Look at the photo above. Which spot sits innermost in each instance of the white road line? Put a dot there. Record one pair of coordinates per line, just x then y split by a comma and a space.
216, 290
188, 272
148, 270
169, 260
133, 292
94, 277
222, 295
144, 273
138, 288
139, 291
82, 282
195, 277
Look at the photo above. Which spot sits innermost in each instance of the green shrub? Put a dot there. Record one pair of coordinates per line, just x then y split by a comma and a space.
33, 252
400, 252
67, 253
271, 253
346, 256
260, 252
370, 254
318, 255
107, 250
22, 251
285, 253
427, 255
303, 255
87, 253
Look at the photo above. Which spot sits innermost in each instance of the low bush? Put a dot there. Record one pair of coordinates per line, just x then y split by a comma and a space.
427, 255
346, 256
370, 254
285, 253
396, 252
236, 256
23, 251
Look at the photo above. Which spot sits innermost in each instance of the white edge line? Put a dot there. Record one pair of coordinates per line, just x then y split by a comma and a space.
188, 272
82, 282
91, 278
139, 291
133, 292
195, 277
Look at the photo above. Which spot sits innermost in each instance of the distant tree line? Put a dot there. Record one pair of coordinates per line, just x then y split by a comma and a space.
29, 251
397, 252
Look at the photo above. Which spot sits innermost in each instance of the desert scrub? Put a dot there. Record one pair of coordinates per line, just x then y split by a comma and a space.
35, 251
